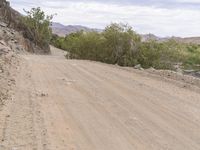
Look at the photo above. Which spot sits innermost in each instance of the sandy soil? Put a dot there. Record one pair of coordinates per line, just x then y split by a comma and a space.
64, 104
57, 52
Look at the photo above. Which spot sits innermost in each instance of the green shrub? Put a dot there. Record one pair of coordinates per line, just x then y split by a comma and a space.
116, 45
38, 26
119, 44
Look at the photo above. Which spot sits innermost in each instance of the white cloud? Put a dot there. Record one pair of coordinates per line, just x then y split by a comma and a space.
188, 1
144, 19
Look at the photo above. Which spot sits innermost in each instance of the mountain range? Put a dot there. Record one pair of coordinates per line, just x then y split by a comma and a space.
63, 30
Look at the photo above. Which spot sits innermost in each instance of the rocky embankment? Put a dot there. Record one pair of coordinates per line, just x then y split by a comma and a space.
13, 20
11, 43
14, 39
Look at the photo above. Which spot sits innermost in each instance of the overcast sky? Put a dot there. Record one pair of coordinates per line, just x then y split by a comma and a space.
160, 17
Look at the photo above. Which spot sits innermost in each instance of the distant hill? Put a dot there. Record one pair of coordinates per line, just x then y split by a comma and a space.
148, 37
63, 30
195, 40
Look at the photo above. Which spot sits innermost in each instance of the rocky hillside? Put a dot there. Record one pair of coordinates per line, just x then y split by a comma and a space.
63, 30
12, 19
148, 37
11, 43
9, 15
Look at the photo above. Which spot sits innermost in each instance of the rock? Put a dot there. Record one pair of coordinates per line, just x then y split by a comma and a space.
141, 68
44, 94
2, 24
2, 42
189, 71
137, 66
4, 31
152, 68
198, 65
179, 71
41, 94
1, 71
197, 74
4, 50
18, 48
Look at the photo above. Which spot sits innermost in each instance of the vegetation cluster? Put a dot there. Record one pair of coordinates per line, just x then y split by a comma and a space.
119, 44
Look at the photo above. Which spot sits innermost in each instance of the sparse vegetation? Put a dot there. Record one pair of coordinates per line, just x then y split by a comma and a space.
119, 44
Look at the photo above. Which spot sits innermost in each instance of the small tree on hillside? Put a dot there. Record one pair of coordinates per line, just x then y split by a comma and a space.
38, 25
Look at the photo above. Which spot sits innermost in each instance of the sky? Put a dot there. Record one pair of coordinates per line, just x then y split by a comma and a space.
160, 17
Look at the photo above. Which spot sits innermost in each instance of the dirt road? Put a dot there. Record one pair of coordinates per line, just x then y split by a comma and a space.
64, 104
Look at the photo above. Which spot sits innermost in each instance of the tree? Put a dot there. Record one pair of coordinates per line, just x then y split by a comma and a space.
38, 26
121, 41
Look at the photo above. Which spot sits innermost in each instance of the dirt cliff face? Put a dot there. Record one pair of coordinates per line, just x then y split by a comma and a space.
12, 19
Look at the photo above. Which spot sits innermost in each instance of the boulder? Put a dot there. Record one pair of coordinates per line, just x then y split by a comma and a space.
138, 66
